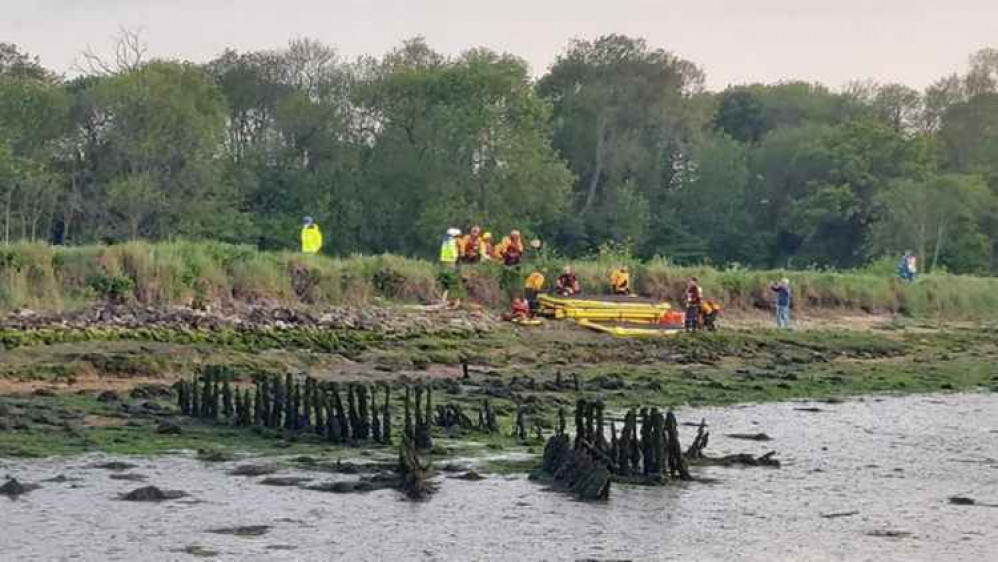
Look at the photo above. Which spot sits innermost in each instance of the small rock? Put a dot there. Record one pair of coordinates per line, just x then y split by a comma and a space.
341, 487
152, 494
61, 479
889, 534
147, 391
108, 396
113, 465
214, 455
199, 551
750, 436
253, 470
128, 477
285, 480
470, 476
46, 392
960, 500
168, 428
242, 531
13, 489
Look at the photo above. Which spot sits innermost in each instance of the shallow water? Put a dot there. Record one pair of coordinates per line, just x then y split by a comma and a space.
895, 461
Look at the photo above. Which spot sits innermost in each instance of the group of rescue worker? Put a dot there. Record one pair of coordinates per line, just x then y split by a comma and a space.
477, 247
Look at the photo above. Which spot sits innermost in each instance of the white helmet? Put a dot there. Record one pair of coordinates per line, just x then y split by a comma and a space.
453, 232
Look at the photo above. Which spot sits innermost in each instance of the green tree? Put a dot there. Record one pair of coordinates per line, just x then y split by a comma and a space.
938, 217
165, 121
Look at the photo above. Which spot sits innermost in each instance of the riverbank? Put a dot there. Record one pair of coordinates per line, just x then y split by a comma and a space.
107, 385
216, 276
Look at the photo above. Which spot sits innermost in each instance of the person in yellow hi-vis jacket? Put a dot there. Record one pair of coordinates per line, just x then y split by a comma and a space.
311, 237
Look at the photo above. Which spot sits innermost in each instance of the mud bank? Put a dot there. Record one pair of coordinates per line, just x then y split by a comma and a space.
863, 479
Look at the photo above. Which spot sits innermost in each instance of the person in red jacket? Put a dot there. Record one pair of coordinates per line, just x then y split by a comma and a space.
568, 284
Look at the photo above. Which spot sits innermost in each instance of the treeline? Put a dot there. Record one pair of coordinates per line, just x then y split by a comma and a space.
618, 142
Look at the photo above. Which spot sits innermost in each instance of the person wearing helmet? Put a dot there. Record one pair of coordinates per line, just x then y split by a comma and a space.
311, 237
568, 284
488, 247
472, 246
532, 288
694, 298
448, 248
512, 248
620, 281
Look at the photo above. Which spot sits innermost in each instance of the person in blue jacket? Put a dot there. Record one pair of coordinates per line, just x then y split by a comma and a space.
783, 297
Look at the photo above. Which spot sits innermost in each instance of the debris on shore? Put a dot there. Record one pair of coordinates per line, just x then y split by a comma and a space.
152, 494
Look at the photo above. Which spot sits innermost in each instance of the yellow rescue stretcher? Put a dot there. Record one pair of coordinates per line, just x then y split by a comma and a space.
612, 302
630, 329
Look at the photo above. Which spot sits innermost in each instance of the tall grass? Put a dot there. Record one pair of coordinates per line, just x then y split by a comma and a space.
47, 278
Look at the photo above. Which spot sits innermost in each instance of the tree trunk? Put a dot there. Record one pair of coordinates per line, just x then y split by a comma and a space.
598, 165
939, 242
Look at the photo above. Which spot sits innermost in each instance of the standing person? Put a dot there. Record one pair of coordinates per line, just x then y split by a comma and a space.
488, 248
512, 248
694, 298
311, 237
448, 248
783, 297
473, 246
912, 264
907, 267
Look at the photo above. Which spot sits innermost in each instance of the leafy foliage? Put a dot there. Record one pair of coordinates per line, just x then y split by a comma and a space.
617, 143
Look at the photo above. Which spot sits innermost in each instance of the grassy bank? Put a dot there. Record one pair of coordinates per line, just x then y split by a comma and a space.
49, 278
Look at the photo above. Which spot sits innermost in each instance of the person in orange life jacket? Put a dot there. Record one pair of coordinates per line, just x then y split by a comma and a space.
568, 284
532, 288
489, 248
472, 246
694, 298
512, 248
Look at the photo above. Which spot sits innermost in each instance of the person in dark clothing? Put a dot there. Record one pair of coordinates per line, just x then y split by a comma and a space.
694, 298
783, 296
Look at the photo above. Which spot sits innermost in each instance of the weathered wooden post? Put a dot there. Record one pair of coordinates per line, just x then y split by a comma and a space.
520, 427
387, 416
334, 431
206, 389
408, 432
227, 409
342, 420
279, 401
428, 416
354, 418
184, 397
580, 422
423, 440
375, 421
677, 463
195, 398
319, 403
290, 410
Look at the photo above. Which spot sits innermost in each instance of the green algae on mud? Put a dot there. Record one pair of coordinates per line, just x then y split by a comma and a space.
534, 370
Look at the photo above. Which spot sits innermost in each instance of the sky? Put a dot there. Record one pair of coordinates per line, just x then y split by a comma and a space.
833, 42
